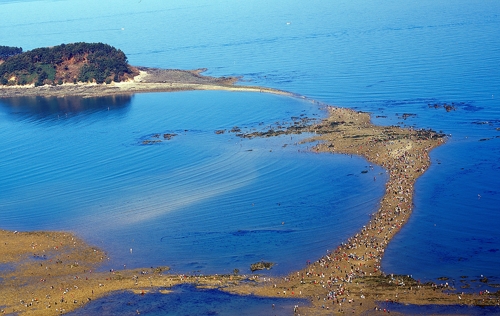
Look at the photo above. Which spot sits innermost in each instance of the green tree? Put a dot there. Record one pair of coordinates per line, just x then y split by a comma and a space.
97, 61
7, 51
41, 78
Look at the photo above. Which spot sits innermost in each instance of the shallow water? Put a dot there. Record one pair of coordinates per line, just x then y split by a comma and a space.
387, 58
230, 201
440, 309
187, 300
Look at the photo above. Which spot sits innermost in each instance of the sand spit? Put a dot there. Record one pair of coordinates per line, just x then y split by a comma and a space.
148, 80
349, 279
47, 273
50, 273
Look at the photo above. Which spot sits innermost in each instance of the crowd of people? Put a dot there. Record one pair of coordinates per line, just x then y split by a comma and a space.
336, 280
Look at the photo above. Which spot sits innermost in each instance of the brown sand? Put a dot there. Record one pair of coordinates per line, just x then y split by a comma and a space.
349, 279
149, 80
52, 272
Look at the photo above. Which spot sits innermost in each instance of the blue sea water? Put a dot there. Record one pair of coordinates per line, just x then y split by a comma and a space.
439, 309
197, 202
212, 203
188, 300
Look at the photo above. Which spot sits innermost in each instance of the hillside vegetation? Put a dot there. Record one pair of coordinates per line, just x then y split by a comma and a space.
7, 51
65, 63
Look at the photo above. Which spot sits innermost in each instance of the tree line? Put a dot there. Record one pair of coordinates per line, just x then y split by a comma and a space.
7, 51
55, 65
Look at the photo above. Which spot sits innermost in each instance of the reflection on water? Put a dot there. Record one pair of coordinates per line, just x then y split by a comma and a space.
219, 196
409, 309
42, 108
387, 59
188, 300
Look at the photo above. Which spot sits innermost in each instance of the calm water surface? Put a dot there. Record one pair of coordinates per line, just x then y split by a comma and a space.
187, 300
78, 166
198, 202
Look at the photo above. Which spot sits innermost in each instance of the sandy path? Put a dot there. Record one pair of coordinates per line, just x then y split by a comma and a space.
148, 80
52, 272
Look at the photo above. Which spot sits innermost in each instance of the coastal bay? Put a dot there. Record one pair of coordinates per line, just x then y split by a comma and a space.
346, 279
102, 170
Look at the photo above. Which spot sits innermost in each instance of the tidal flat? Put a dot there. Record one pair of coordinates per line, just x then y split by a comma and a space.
56, 271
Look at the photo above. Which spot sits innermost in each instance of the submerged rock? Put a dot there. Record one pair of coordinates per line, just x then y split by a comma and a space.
169, 136
261, 266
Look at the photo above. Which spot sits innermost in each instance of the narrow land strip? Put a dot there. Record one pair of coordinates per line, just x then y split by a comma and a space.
349, 279
149, 80
44, 273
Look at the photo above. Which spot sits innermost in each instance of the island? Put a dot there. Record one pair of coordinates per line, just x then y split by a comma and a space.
97, 69
55, 272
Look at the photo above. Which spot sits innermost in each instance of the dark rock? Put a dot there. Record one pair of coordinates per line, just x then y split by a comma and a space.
261, 266
168, 136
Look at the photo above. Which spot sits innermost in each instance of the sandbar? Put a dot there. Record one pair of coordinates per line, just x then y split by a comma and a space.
148, 80
44, 273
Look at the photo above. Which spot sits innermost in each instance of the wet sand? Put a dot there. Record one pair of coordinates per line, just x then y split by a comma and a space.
148, 80
349, 279
51, 272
